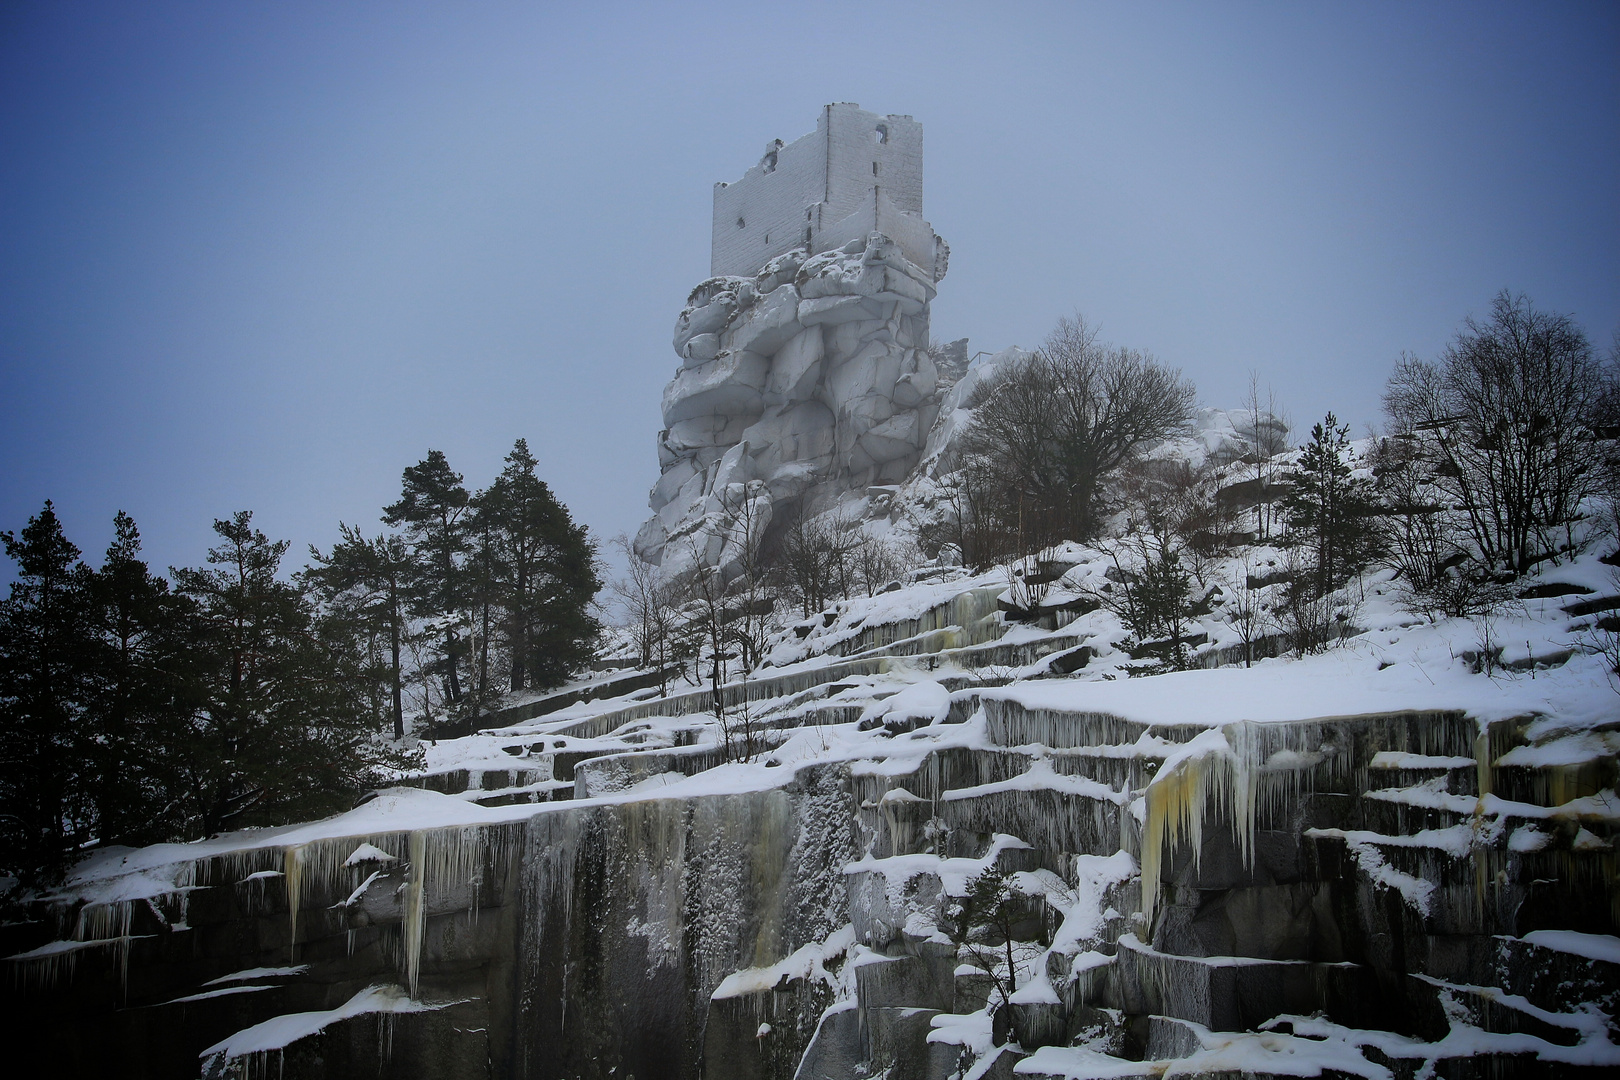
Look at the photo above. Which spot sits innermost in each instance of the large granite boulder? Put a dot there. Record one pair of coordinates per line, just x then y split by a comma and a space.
803, 384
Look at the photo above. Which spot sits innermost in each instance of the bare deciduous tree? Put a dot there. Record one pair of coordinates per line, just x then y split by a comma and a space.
968, 517
733, 605
1423, 537
1052, 427
1606, 422
1506, 413
880, 560
1266, 432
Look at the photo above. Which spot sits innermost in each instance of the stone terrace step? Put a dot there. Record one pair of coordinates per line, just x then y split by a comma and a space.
1240, 993
615, 772
1559, 979
759, 689
616, 686
1062, 814
764, 686
1360, 739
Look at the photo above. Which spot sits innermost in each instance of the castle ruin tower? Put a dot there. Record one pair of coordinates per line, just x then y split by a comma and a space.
805, 374
857, 174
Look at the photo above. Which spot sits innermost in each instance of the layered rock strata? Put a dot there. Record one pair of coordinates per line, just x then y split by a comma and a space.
1407, 893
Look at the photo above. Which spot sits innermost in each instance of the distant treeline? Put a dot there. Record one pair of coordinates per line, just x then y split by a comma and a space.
136, 708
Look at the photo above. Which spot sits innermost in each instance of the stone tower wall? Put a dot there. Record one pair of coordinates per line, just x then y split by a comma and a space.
856, 174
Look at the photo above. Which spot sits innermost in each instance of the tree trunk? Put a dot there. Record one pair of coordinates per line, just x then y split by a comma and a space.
483, 659
452, 677
399, 698
520, 630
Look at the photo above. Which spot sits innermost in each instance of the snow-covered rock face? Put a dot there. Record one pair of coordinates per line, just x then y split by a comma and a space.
1373, 861
806, 382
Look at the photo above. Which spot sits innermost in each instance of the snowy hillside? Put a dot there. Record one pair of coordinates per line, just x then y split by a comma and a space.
1373, 860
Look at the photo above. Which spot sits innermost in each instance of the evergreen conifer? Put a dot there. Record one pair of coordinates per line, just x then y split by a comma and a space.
46, 803
1330, 511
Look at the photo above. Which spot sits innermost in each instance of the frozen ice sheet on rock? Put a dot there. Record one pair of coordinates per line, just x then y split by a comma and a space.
1040, 776
219, 992
1339, 683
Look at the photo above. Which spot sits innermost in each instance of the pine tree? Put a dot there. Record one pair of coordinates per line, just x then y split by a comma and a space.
431, 508
46, 803
484, 594
542, 567
1330, 511
364, 587
142, 695
285, 730
985, 922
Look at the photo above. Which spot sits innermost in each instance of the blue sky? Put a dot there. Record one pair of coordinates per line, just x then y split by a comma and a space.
265, 256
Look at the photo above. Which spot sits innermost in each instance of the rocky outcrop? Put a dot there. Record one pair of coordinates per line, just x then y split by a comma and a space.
797, 386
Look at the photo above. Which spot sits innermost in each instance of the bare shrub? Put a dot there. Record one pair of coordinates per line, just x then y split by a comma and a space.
1603, 640
651, 611
1027, 581
812, 561
1246, 610
1309, 617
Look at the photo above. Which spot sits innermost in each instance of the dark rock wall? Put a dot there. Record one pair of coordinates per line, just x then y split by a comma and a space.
634, 913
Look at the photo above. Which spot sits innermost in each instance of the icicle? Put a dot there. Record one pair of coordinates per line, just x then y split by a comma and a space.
294, 871
1209, 769
415, 915
1482, 767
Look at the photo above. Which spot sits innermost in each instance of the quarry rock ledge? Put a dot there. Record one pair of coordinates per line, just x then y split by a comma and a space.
1192, 853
